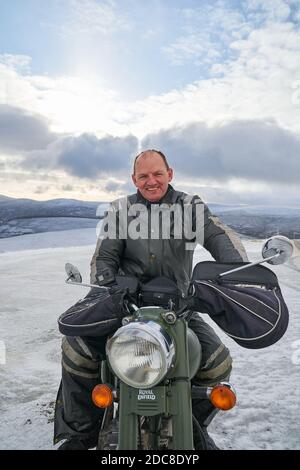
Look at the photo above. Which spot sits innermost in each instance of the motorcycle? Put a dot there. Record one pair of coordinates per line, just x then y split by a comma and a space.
145, 386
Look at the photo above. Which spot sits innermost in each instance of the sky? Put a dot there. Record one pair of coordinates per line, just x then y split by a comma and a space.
87, 84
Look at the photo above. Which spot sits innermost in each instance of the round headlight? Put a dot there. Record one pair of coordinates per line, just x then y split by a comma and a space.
141, 353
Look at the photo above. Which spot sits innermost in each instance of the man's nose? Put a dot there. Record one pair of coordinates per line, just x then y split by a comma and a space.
151, 180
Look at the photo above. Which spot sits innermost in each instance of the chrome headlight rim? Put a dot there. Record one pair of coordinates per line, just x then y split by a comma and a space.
146, 329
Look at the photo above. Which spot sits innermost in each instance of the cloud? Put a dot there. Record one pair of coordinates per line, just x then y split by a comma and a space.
257, 81
18, 62
113, 186
86, 156
252, 150
22, 131
269, 10
71, 104
239, 120
67, 187
206, 33
249, 193
42, 189
124, 187
91, 16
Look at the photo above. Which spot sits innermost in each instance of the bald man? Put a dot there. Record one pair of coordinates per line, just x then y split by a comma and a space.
77, 420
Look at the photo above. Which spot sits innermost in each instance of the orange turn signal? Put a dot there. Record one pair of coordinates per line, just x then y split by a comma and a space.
223, 397
102, 396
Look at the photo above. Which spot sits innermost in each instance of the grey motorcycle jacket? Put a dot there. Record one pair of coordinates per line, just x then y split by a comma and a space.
147, 240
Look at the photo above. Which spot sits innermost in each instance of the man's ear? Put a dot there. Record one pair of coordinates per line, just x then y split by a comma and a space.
170, 174
133, 180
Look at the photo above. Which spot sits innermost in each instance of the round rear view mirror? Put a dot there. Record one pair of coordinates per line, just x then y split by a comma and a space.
73, 273
277, 244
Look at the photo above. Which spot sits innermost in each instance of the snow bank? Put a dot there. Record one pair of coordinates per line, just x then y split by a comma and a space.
33, 294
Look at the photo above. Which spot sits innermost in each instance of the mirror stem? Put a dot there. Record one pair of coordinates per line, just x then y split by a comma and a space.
85, 285
263, 260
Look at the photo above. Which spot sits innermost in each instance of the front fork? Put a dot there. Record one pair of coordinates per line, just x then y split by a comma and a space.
182, 417
128, 423
173, 399
167, 400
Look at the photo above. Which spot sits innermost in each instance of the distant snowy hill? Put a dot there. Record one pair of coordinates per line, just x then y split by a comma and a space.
25, 216
5, 198
260, 221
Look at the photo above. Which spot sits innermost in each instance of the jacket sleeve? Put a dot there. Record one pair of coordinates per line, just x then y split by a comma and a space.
221, 241
108, 254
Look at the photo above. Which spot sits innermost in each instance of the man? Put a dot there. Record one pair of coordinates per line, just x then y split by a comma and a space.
76, 418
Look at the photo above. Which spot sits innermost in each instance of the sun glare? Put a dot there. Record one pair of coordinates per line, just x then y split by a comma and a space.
78, 104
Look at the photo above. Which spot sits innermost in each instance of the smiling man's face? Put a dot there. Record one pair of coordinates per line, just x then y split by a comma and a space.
151, 176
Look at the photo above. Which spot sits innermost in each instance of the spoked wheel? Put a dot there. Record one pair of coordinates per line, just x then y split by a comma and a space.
155, 432
108, 435
200, 436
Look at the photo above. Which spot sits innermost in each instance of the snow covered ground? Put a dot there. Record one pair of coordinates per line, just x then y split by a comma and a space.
33, 294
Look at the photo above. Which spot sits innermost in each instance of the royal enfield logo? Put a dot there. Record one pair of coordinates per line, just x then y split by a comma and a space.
146, 395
